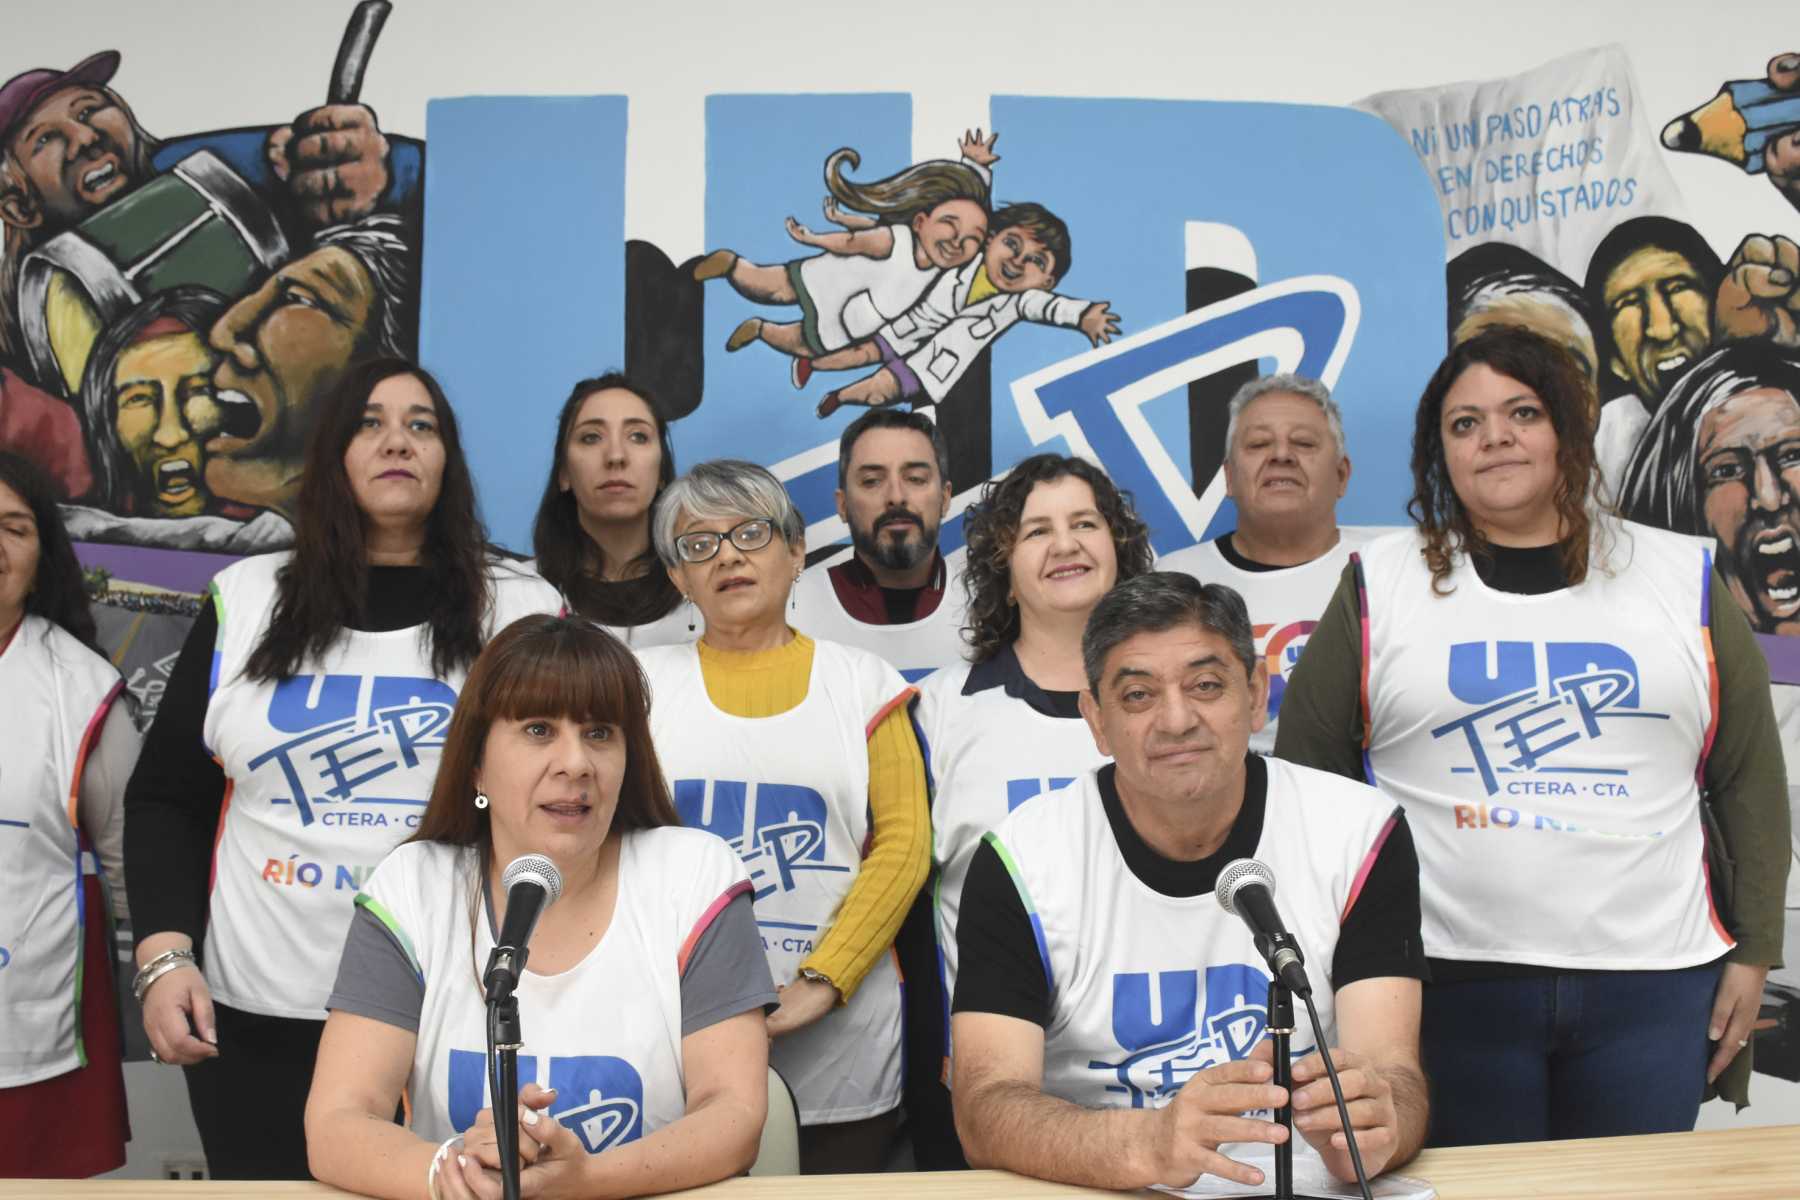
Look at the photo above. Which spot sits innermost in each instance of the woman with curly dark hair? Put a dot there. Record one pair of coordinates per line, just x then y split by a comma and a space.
68, 750
1045, 543
295, 745
1562, 701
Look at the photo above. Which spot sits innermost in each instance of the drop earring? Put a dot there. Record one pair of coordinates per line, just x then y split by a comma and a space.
689, 601
481, 800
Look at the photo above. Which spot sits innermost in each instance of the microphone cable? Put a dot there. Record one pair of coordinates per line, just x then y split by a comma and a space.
1337, 1090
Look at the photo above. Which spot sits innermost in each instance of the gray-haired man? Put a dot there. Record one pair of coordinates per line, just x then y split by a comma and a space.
1286, 469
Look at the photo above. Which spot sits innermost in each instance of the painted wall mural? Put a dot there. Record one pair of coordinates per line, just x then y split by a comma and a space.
171, 306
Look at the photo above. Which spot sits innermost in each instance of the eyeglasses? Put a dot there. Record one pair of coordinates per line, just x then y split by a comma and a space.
703, 544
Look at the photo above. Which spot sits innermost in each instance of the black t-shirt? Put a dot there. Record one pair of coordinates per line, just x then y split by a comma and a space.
172, 803
1003, 671
1522, 570
1229, 552
999, 969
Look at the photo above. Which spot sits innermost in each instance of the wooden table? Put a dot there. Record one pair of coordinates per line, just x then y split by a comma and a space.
1737, 1164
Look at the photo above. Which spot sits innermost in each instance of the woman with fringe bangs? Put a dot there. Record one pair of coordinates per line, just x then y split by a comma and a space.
295, 745
1573, 712
549, 753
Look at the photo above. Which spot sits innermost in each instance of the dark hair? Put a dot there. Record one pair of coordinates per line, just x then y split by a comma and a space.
1625, 239
568, 557
1550, 371
116, 479
1493, 271
323, 588
58, 594
892, 418
903, 195
1662, 484
992, 523
1042, 224
1163, 600
544, 666
378, 241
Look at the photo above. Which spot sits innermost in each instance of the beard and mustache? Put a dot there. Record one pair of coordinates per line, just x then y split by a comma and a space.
899, 553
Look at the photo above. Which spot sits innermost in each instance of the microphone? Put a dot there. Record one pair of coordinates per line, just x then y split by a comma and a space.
1246, 889
532, 884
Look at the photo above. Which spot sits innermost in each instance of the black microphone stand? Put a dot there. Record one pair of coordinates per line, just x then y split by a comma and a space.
503, 1041
1280, 1028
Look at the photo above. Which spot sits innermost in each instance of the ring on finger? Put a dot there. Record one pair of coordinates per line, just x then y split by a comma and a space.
1742, 1042
155, 1057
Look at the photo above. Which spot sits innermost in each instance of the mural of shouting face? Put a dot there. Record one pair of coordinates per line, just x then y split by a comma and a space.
1748, 453
162, 409
1661, 315
77, 149
282, 348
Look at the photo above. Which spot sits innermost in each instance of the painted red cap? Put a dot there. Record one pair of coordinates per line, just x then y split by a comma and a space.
23, 91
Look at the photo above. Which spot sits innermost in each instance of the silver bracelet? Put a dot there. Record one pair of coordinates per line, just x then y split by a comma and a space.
437, 1161
156, 968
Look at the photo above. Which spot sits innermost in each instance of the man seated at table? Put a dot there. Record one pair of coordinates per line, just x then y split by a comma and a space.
1067, 1067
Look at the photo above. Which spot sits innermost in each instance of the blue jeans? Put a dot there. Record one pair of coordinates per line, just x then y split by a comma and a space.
1597, 1054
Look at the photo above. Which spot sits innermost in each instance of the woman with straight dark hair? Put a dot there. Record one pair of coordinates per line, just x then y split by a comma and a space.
549, 753
613, 458
67, 752
295, 745
1564, 702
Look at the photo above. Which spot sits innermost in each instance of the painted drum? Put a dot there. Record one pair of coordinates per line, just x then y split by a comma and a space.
197, 223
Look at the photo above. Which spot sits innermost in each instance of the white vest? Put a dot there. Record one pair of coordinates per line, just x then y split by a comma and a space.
791, 795
670, 629
916, 648
54, 696
988, 754
606, 1033
1147, 990
325, 772
1285, 605
1546, 749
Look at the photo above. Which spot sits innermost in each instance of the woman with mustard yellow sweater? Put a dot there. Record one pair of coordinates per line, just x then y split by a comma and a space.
802, 755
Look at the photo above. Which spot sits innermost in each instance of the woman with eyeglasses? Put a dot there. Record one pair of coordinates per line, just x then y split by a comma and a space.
801, 754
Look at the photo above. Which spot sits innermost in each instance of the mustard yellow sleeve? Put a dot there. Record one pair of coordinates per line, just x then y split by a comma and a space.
898, 859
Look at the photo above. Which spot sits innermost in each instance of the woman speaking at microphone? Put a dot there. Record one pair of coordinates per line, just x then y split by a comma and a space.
1559, 699
294, 747
642, 1001
802, 755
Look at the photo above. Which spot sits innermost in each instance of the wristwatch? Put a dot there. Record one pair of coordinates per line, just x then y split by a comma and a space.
818, 977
